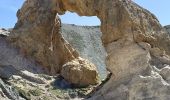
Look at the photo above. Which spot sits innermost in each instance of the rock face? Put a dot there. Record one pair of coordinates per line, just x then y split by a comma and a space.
10, 56
80, 72
87, 41
132, 36
167, 28
46, 46
150, 85
27, 79
4, 32
8, 93
123, 23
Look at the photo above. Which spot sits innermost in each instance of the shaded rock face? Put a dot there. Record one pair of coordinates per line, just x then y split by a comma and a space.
131, 36
80, 72
87, 41
24, 78
167, 28
11, 57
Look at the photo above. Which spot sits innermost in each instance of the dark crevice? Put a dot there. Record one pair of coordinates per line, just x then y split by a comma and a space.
100, 86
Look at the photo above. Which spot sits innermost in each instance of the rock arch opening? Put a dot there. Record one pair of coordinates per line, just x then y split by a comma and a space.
83, 33
73, 18
121, 26
36, 19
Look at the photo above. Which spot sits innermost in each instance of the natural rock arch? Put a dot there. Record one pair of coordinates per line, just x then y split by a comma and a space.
127, 29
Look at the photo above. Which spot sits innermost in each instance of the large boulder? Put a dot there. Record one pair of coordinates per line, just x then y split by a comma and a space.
80, 72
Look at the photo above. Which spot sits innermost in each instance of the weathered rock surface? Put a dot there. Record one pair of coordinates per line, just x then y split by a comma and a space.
123, 24
132, 36
3, 32
29, 78
167, 28
151, 86
10, 56
38, 35
80, 72
87, 41
8, 92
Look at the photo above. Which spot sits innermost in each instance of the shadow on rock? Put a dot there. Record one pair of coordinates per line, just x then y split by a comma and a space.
6, 71
61, 83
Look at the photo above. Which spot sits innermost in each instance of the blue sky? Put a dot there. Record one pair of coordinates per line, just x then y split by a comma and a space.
8, 9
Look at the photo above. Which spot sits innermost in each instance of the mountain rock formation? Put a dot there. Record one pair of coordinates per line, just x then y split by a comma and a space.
47, 47
87, 41
167, 28
27, 76
137, 46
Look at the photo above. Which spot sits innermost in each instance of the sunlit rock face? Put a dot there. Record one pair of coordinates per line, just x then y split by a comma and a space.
123, 24
37, 34
80, 72
132, 36
39, 37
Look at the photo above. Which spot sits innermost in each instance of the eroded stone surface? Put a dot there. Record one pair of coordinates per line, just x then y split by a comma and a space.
124, 26
8, 92
167, 28
37, 33
151, 86
121, 20
87, 41
80, 72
